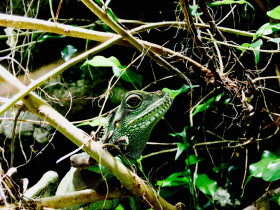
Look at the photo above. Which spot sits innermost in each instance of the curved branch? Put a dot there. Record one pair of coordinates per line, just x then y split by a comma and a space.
78, 197
103, 15
129, 180
42, 25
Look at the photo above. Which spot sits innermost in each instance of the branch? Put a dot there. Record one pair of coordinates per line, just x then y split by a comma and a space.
24, 90
129, 180
30, 23
103, 15
47, 26
67, 30
263, 201
78, 197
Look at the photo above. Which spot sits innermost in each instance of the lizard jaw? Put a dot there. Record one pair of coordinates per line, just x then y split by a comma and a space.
152, 115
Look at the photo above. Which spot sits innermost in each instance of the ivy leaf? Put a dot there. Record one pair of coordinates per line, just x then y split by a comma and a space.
101, 61
118, 69
268, 168
181, 148
257, 45
174, 93
275, 13
194, 12
225, 2
244, 45
176, 179
68, 52
266, 29
128, 75
277, 41
182, 134
204, 106
192, 159
205, 184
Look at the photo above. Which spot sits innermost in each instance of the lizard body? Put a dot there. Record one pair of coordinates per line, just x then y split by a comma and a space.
129, 126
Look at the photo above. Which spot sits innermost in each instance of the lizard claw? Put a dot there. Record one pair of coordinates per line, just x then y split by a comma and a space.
117, 146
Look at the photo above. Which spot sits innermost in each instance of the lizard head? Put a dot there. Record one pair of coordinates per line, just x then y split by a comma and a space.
136, 116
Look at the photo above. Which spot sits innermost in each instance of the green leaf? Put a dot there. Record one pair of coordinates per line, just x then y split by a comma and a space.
119, 207
277, 41
193, 9
223, 166
276, 198
192, 159
68, 52
181, 148
226, 2
268, 168
101, 61
266, 29
100, 121
174, 93
176, 179
256, 46
118, 69
244, 45
205, 106
128, 75
275, 13
205, 184
182, 134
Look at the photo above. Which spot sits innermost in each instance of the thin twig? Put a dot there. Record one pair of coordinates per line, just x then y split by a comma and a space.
245, 169
127, 36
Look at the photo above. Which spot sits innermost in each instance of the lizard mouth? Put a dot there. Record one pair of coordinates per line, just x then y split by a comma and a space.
152, 115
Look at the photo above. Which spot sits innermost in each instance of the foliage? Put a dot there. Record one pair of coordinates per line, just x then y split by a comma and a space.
275, 13
118, 69
223, 73
226, 2
268, 168
186, 178
68, 52
174, 93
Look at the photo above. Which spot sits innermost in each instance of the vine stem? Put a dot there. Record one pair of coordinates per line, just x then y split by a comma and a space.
129, 180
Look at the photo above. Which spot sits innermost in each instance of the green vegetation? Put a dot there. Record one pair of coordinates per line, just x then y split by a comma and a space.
218, 145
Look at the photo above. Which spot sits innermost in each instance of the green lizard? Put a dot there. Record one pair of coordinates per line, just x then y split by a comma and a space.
129, 128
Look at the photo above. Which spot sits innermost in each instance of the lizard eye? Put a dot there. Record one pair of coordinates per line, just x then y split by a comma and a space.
133, 101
